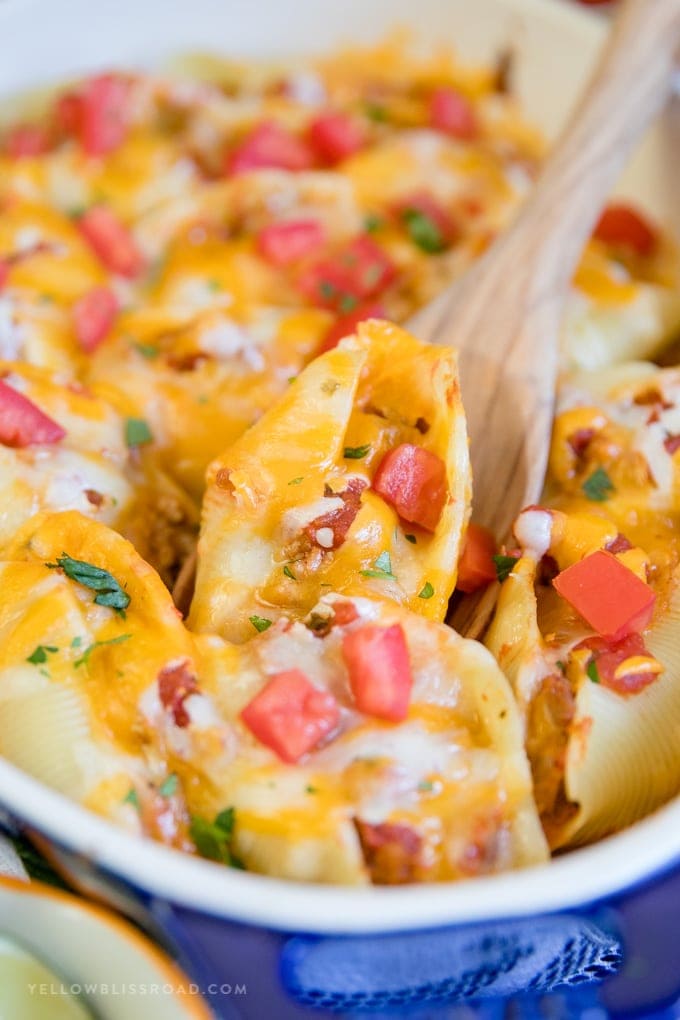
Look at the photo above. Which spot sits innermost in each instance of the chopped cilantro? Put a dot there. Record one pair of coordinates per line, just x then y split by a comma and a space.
327, 289
591, 671
137, 432
423, 231
214, 286
311, 789
373, 222
39, 656
132, 797
598, 486
296, 481
168, 786
562, 666
109, 591
357, 452
382, 568
376, 112
504, 565
213, 839
146, 350
426, 786
347, 303
289, 573
77, 642
260, 623
411, 538
427, 591
85, 657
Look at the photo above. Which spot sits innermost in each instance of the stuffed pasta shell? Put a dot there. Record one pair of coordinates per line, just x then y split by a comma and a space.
343, 485
586, 623
369, 745
63, 447
86, 624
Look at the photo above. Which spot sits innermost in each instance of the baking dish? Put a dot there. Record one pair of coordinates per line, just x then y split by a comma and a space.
266, 948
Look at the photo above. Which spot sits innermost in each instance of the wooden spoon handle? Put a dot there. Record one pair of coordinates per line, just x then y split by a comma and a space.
631, 83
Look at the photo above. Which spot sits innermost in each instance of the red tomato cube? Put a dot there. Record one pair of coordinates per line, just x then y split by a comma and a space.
335, 136
111, 241
93, 316
4, 273
290, 715
609, 596
379, 669
269, 145
103, 114
413, 481
476, 567
358, 271
22, 423
621, 226
283, 243
452, 113
347, 324
26, 140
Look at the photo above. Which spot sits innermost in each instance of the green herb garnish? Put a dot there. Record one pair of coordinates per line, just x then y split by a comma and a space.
289, 573
357, 452
504, 565
39, 656
260, 623
109, 591
381, 568
373, 222
213, 839
169, 785
411, 538
347, 303
423, 231
376, 112
591, 671
85, 657
146, 350
137, 432
296, 481
132, 797
311, 789
427, 591
598, 486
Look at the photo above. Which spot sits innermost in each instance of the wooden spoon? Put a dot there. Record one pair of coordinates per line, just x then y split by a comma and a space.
503, 315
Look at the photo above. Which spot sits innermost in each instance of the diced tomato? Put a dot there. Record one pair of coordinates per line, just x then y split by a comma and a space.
609, 596
269, 145
476, 567
282, 243
175, 685
103, 114
413, 481
96, 114
346, 324
93, 316
621, 226
428, 206
453, 113
4, 273
26, 140
379, 670
24, 424
335, 136
290, 715
67, 111
672, 444
336, 523
358, 271
111, 241
608, 656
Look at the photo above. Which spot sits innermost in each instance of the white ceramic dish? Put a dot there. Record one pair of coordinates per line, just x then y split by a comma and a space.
569, 921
